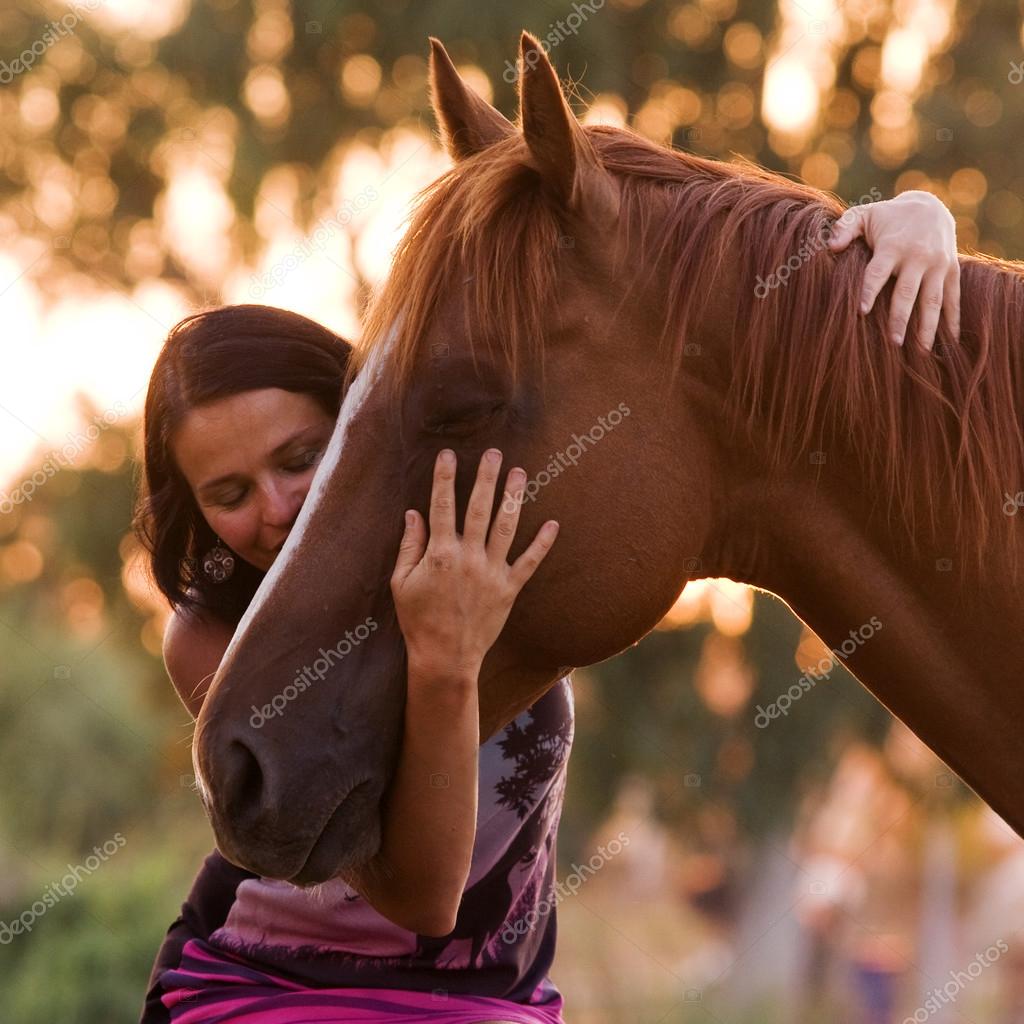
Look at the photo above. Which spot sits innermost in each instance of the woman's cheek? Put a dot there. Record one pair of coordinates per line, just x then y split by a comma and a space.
238, 530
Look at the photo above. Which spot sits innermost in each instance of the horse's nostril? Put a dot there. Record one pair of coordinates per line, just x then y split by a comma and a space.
244, 780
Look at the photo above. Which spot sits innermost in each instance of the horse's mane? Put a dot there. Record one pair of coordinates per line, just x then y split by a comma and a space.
808, 367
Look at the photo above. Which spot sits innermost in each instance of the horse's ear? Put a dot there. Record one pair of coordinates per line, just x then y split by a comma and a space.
560, 147
468, 122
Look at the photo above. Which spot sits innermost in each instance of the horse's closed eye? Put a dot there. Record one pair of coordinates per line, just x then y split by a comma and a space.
462, 422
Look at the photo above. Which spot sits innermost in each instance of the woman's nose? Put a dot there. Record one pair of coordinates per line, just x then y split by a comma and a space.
281, 505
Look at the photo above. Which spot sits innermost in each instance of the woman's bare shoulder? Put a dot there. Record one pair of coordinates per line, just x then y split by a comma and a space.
193, 647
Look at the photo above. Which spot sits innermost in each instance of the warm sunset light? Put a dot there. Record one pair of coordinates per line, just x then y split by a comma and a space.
262, 758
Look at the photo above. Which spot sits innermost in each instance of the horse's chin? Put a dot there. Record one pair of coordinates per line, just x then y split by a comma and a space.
350, 838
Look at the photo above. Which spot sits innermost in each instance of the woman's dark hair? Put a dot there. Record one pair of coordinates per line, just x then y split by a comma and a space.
208, 356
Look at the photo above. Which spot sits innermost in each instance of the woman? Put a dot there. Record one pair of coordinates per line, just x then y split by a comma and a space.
241, 405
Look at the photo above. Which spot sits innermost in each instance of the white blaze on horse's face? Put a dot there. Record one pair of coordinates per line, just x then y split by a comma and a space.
357, 394
355, 398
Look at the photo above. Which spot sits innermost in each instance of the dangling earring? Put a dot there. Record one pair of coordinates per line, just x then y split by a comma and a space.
218, 563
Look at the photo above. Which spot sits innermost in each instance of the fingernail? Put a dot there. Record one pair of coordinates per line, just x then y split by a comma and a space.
517, 476
898, 338
448, 456
551, 526
863, 307
409, 518
493, 455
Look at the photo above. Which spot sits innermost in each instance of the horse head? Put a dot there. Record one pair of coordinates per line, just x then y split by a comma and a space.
515, 316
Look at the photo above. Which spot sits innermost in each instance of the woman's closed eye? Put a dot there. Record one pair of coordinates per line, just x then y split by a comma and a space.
300, 463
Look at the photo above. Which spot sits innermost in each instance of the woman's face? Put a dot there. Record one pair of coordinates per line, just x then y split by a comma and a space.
249, 460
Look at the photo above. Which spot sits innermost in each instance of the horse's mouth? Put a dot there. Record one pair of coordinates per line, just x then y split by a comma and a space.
344, 840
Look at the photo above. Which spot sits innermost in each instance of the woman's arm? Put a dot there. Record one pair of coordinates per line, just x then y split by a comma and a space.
417, 877
912, 237
453, 595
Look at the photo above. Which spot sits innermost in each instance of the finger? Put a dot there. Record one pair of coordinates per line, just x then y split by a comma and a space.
951, 300
930, 308
503, 529
526, 564
848, 227
481, 500
410, 549
442, 497
878, 271
908, 284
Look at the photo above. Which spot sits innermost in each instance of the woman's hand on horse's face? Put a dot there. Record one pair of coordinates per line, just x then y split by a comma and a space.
453, 593
912, 237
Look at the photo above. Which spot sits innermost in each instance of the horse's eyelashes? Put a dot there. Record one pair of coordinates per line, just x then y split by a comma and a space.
464, 421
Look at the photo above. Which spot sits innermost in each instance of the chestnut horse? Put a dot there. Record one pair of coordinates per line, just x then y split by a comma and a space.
593, 305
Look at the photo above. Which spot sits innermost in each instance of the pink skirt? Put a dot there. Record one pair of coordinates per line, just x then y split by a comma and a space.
221, 989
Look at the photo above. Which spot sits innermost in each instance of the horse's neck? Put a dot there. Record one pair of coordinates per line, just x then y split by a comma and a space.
940, 649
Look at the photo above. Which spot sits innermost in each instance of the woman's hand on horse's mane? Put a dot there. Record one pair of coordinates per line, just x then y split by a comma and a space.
912, 237
453, 593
